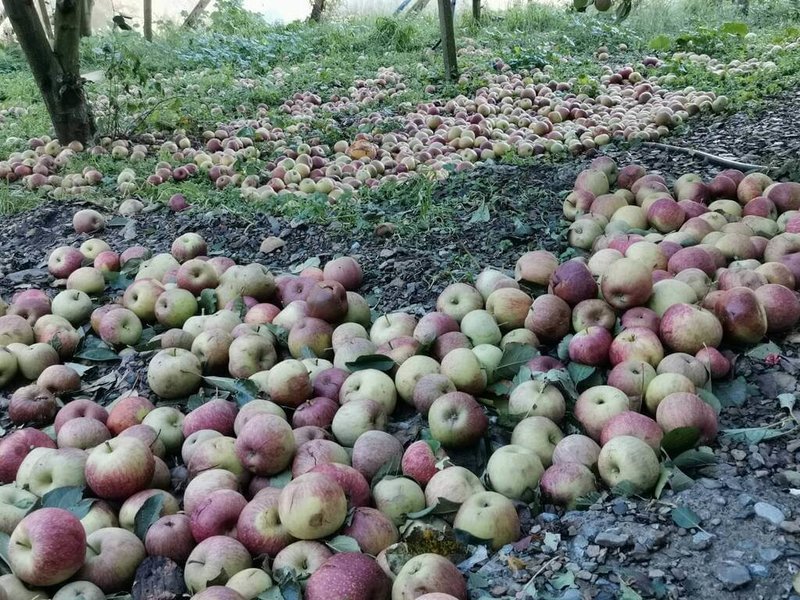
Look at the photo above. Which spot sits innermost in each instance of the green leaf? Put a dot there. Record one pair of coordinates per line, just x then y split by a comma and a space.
69, 498
735, 28
628, 593
563, 347
752, 435
243, 390
500, 388
312, 261
523, 375
732, 393
280, 480
117, 221
343, 543
95, 350
587, 500
480, 215
372, 361
685, 517
624, 488
208, 301
679, 480
679, 440
281, 334
443, 506
5, 565
560, 378
761, 351
663, 477
580, 372
709, 398
623, 10
660, 43
148, 514
196, 400
564, 580
80, 369
388, 469
514, 358
787, 401
694, 459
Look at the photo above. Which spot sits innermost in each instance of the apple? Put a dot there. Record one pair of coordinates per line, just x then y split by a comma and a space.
346, 333
59, 379
16, 446
372, 529
310, 334
669, 292
458, 299
107, 262
289, 383
576, 448
32, 360
112, 556
427, 574
79, 590
590, 346
685, 364
249, 584
358, 310
514, 471
371, 384
265, 445
597, 405
303, 557
355, 486
30, 304
564, 483
125, 412
83, 433
187, 246
120, 327
531, 398
44, 469
196, 275
419, 461
15, 329
174, 373
327, 300
392, 326
250, 410
63, 261
356, 417
205, 483
312, 506
549, 318
316, 411
374, 449
464, 369
687, 410
141, 297
395, 497
88, 221
539, 434
632, 378
216, 514
454, 484
428, 388
313, 452
214, 561
636, 344
131, 506
640, 317
489, 516
250, 354
449, 342
663, 385
716, 364
573, 282
170, 536
217, 414
633, 424
47, 547
292, 288
626, 283
15, 503
593, 313
457, 420
259, 526
508, 307
433, 325
74, 305
781, 306
217, 453
743, 317
491, 280
8, 367
32, 404
627, 458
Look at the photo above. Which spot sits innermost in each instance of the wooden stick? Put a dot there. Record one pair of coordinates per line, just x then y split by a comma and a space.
723, 162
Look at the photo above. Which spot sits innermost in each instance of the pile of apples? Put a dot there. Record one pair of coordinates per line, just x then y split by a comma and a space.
270, 396
526, 113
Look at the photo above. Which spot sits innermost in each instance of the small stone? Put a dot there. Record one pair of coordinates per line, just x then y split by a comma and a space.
771, 513
656, 574
790, 526
612, 538
620, 507
743, 500
738, 454
789, 479
770, 554
592, 550
710, 484
732, 575
583, 574
572, 594
757, 570
702, 540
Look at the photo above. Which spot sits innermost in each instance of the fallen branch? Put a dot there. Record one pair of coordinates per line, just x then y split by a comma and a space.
723, 162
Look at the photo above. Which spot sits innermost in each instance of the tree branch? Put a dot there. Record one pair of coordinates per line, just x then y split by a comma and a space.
712, 158
68, 35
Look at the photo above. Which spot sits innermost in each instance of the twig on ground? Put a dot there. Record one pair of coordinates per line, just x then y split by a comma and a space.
723, 162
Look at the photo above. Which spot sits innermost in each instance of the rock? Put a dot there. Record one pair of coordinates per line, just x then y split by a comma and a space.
702, 540
757, 570
744, 500
620, 507
789, 479
769, 554
270, 244
738, 454
791, 526
612, 538
732, 575
771, 513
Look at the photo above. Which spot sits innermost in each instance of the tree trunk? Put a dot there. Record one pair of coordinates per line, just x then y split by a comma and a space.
418, 6
196, 13
148, 20
45, 14
316, 10
86, 18
476, 10
56, 71
448, 40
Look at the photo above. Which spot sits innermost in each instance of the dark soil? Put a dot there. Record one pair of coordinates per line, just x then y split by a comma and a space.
619, 548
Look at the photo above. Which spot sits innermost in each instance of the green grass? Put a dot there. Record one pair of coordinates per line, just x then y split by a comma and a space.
192, 81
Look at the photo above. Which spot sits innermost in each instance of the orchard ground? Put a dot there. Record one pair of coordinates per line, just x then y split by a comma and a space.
618, 545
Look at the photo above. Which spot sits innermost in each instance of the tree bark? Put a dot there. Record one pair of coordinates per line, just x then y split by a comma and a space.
86, 18
56, 71
196, 13
448, 40
476, 10
418, 6
45, 14
148, 20
317, 8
